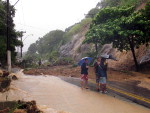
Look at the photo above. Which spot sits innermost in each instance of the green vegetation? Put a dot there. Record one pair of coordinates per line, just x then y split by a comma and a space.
115, 3
13, 33
111, 21
122, 26
92, 13
47, 47
77, 28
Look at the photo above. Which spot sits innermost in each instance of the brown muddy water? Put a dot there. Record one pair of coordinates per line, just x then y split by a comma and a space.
52, 92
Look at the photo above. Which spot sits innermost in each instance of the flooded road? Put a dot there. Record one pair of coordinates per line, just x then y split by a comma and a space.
52, 92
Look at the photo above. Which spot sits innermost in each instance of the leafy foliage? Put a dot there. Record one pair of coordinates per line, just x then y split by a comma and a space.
48, 46
92, 13
32, 49
115, 3
13, 33
121, 26
78, 27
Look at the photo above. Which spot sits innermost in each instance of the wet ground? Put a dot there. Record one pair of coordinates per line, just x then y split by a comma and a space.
52, 92
131, 87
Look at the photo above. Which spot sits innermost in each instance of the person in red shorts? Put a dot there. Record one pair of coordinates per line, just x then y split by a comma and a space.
84, 74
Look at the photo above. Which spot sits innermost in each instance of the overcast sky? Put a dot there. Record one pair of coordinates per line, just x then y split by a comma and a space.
38, 17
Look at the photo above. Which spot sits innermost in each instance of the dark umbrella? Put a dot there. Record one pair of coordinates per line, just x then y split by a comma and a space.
82, 60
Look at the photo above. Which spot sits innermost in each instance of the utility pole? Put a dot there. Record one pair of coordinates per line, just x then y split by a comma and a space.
22, 42
21, 47
8, 38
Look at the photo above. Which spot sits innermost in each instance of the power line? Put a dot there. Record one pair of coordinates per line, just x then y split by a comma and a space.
15, 3
23, 13
27, 36
31, 26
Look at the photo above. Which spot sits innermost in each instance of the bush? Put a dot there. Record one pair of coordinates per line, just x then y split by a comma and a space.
64, 61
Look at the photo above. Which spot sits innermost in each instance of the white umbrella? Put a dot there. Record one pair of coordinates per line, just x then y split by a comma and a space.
106, 56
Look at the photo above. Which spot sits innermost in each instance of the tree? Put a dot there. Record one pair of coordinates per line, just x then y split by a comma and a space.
115, 3
47, 47
92, 13
106, 3
121, 26
32, 49
13, 33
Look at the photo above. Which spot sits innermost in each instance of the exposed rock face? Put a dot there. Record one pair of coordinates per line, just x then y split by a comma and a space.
74, 48
145, 58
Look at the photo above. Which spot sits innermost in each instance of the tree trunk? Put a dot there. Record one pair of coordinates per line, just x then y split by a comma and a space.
133, 53
96, 48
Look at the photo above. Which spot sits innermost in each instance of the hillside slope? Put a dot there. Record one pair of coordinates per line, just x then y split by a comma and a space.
69, 45
74, 48
125, 59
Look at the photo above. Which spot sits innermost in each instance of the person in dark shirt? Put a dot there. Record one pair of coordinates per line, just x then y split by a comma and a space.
96, 64
84, 74
102, 70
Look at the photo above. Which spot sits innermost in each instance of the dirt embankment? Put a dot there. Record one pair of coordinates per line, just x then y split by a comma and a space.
113, 75
125, 58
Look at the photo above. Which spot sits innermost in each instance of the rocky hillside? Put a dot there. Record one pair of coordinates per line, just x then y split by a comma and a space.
125, 59
77, 50
74, 48
66, 44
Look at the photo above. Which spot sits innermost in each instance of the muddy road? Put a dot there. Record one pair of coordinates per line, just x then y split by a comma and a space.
52, 92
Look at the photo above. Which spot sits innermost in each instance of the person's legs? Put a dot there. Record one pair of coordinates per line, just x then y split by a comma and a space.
103, 84
86, 84
82, 81
105, 89
97, 86
82, 84
102, 88
86, 81
97, 82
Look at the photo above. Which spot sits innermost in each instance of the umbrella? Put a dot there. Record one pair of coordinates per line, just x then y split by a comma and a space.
82, 60
108, 57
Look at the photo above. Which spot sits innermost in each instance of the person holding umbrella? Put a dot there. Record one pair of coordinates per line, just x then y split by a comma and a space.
100, 68
96, 68
84, 74
101, 71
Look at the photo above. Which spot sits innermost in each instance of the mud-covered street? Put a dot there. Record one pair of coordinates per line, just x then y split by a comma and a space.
52, 92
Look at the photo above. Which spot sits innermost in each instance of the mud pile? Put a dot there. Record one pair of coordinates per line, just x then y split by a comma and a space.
19, 107
5, 80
